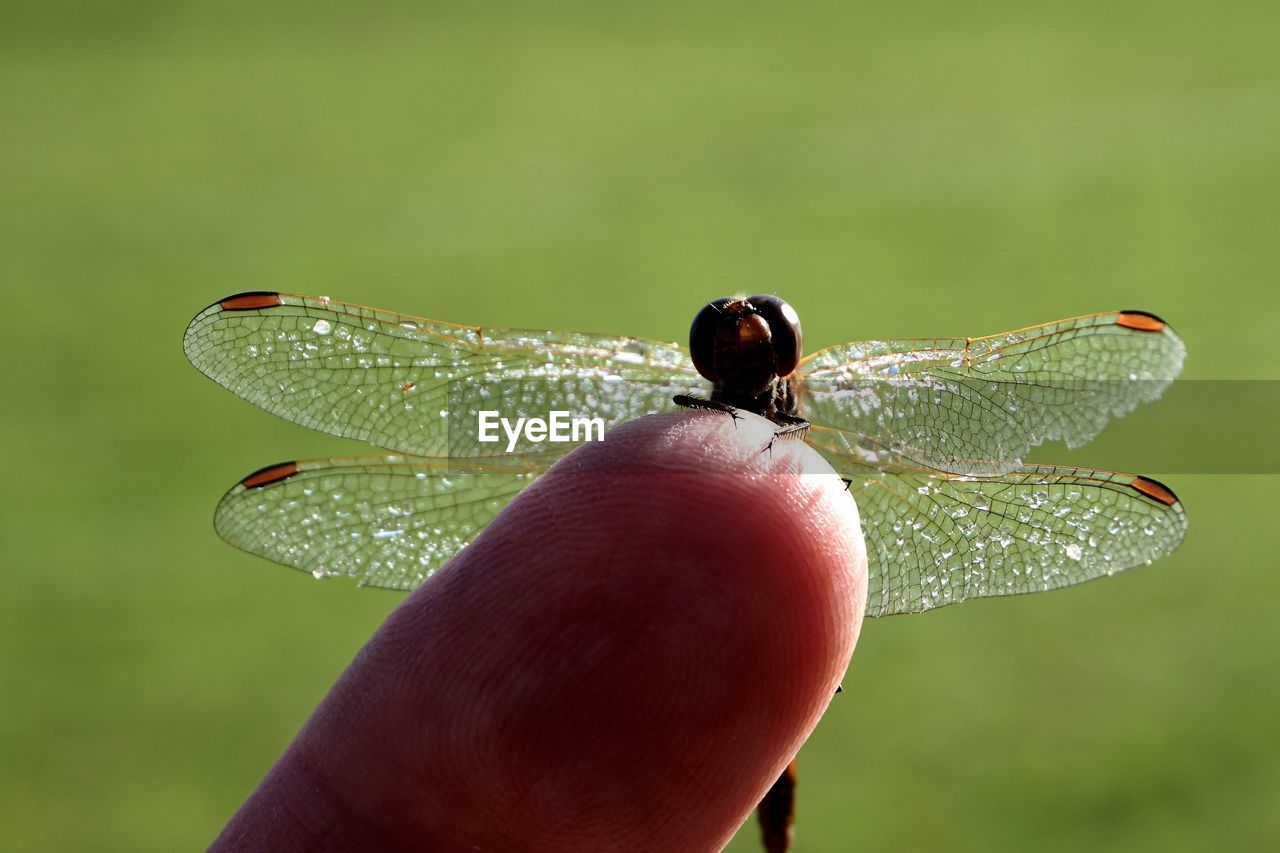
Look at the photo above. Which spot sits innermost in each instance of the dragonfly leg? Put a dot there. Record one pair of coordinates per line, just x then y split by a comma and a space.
787, 425
706, 405
777, 811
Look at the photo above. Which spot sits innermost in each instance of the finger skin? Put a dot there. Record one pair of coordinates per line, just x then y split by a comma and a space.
626, 659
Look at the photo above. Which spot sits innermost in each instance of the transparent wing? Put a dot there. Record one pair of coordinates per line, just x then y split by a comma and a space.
935, 539
978, 405
385, 521
417, 386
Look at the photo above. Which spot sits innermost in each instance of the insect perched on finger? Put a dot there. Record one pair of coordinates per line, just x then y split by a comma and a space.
929, 435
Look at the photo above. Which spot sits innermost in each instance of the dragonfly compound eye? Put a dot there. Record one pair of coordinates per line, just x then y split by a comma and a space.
784, 326
733, 344
702, 336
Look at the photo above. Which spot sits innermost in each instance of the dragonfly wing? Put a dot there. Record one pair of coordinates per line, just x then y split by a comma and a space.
935, 539
386, 521
978, 405
417, 386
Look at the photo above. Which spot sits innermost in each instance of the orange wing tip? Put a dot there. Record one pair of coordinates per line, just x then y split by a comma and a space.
1140, 321
1155, 490
270, 474
251, 301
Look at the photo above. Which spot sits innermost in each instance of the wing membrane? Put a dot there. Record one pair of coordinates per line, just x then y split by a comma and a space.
386, 521
416, 386
978, 405
932, 539
909, 421
935, 539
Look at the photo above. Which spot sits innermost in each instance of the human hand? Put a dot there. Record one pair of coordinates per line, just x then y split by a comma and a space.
625, 659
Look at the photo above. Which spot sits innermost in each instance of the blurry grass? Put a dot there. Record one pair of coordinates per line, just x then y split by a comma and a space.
921, 170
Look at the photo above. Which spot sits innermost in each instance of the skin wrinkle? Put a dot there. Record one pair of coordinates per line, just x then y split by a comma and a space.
625, 659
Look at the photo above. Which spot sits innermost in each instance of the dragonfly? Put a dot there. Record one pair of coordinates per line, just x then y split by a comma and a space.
930, 435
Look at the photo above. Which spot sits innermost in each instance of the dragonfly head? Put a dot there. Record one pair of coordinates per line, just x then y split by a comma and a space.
744, 343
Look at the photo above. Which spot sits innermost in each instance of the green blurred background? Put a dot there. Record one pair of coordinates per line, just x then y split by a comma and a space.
906, 169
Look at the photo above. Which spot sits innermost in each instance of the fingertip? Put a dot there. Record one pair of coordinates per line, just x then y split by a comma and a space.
625, 659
